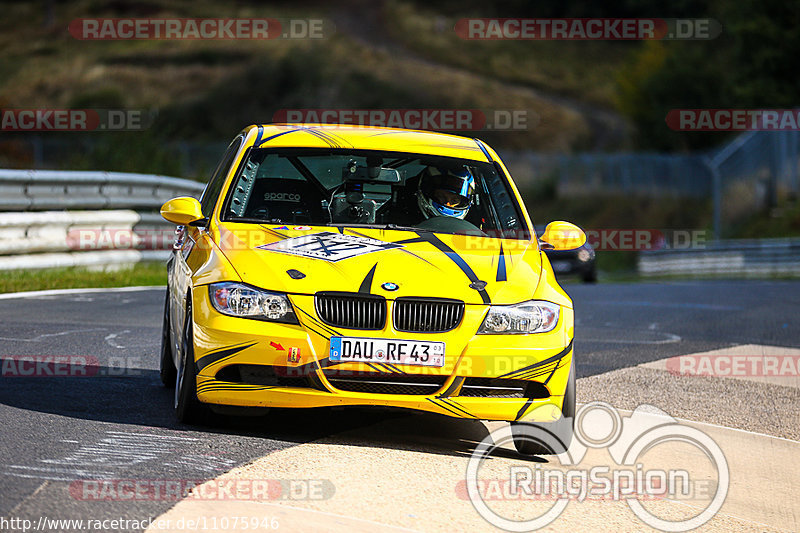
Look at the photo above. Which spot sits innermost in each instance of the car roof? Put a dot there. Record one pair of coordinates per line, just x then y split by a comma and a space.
368, 138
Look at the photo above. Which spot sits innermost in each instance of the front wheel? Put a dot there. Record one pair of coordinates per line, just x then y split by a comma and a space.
548, 438
188, 408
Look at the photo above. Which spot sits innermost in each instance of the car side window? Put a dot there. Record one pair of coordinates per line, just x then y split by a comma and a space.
271, 188
214, 187
512, 225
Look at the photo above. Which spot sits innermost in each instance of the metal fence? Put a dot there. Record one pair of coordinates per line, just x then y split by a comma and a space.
754, 157
763, 156
51, 152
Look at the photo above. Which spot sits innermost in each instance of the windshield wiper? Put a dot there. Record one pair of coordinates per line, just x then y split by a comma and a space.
250, 220
377, 226
405, 228
349, 225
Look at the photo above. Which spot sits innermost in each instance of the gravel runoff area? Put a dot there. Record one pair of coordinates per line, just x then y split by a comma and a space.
737, 403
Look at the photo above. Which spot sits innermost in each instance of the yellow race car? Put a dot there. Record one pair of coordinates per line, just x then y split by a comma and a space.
350, 266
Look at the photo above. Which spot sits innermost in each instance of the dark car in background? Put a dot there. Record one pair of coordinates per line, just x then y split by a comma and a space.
578, 262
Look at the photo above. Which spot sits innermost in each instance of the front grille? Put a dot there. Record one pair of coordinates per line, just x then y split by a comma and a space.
380, 383
262, 375
427, 315
351, 310
503, 388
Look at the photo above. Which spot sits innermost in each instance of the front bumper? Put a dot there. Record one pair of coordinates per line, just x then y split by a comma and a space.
298, 373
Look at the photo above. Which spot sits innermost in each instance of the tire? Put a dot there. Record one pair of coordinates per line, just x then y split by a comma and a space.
548, 438
188, 408
167, 370
591, 275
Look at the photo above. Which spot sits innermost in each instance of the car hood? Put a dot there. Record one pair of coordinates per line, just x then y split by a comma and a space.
391, 263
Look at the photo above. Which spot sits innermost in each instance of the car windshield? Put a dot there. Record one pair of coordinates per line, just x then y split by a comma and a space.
376, 189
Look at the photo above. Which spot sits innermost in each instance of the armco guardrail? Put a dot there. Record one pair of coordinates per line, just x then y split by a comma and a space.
756, 258
38, 190
69, 231
51, 219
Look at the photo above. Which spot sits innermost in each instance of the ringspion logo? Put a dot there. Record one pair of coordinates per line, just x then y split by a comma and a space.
631, 476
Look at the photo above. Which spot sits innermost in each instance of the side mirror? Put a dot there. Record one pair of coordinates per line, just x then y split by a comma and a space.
562, 235
183, 211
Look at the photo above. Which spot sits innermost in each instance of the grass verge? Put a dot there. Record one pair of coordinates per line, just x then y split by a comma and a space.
141, 274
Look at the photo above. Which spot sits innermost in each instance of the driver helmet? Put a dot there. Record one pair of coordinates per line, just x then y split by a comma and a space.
446, 192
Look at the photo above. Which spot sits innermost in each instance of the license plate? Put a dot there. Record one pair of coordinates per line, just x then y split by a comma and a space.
393, 351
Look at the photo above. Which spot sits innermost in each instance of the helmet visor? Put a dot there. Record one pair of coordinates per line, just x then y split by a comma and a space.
450, 199
452, 190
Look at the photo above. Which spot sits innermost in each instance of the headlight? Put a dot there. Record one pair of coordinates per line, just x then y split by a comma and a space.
528, 317
584, 255
238, 299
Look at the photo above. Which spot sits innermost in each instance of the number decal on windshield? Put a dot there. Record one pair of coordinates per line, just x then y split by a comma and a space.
329, 246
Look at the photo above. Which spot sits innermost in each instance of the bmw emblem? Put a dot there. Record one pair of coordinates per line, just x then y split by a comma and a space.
389, 286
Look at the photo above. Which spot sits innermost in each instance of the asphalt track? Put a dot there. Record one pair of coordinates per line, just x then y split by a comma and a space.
117, 423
